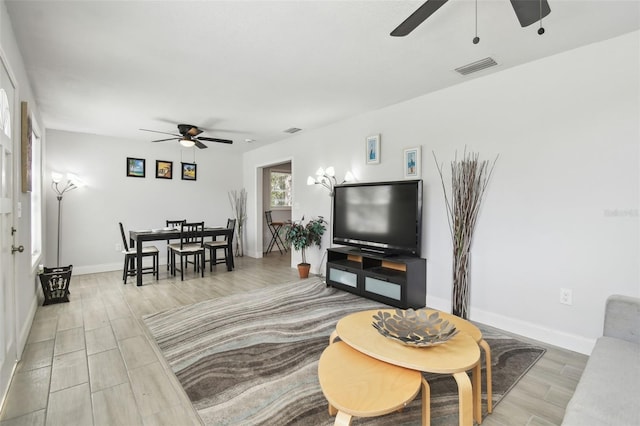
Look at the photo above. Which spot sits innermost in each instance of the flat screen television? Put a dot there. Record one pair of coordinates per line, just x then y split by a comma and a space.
383, 217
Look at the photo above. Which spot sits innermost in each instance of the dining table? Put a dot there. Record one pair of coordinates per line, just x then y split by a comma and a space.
140, 236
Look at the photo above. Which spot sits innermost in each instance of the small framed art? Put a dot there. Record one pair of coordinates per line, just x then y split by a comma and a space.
26, 149
189, 171
135, 167
412, 162
373, 149
164, 169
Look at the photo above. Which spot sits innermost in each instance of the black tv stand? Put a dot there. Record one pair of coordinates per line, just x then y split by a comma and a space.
373, 252
396, 280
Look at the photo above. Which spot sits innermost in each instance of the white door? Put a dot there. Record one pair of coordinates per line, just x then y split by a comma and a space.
8, 345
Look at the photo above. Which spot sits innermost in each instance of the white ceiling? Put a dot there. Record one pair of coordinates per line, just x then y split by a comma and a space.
251, 69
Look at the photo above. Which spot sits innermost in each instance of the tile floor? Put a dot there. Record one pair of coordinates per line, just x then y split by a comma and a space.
91, 362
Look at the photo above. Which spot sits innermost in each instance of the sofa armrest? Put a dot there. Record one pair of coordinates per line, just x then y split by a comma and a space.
622, 318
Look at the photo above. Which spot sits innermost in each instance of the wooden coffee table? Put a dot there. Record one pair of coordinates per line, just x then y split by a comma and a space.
358, 385
476, 334
459, 354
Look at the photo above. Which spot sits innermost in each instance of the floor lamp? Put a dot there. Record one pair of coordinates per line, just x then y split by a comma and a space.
72, 182
327, 178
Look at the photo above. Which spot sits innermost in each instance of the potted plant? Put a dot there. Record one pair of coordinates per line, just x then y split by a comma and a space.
469, 180
300, 236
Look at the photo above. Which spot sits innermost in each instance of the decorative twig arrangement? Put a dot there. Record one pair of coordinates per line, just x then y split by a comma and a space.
469, 180
238, 200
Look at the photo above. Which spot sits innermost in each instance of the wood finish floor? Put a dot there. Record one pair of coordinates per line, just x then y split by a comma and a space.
91, 361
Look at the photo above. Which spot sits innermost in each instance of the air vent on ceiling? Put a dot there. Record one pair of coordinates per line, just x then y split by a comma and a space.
476, 66
292, 130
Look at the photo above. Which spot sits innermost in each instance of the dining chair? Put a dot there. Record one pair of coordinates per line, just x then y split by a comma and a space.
130, 259
191, 244
215, 245
274, 228
172, 224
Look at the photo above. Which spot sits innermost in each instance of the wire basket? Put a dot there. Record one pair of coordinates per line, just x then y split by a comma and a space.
55, 284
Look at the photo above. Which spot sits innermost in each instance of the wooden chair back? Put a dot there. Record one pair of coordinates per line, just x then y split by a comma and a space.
125, 246
231, 224
191, 233
173, 223
268, 217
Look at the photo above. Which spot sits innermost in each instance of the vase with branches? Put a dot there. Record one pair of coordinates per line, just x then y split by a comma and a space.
238, 200
469, 180
301, 236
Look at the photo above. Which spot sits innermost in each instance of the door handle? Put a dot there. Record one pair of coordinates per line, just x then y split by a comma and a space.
14, 249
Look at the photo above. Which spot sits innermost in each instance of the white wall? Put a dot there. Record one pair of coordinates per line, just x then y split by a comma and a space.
562, 210
90, 215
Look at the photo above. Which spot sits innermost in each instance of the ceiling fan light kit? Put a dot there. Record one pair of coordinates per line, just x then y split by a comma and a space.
187, 143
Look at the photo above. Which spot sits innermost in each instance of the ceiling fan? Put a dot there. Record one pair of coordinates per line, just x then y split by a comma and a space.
188, 136
527, 11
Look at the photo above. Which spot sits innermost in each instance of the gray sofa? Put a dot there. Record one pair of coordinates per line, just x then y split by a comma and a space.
608, 392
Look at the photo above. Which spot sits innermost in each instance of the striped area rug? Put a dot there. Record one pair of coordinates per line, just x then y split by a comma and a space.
252, 358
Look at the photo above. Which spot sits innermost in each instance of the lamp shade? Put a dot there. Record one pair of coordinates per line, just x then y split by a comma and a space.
311, 181
56, 177
187, 143
75, 180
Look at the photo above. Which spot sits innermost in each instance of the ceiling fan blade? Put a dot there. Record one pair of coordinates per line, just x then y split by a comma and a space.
530, 11
200, 144
157, 131
416, 18
215, 140
163, 140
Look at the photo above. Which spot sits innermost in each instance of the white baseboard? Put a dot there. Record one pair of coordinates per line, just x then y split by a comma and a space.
94, 269
106, 267
23, 334
550, 336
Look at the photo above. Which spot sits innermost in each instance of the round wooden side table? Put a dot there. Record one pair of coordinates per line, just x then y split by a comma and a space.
358, 385
476, 334
458, 355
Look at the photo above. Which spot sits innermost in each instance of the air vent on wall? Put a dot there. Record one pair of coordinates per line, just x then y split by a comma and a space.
476, 66
292, 130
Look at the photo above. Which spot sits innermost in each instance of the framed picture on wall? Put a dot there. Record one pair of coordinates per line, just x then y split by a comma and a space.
189, 171
26, 148
373, 149
164, 169
135, 167
412, 163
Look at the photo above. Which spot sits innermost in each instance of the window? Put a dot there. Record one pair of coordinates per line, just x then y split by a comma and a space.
36, 199
280, 189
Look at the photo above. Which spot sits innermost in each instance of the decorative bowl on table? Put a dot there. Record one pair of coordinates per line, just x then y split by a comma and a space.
414, 328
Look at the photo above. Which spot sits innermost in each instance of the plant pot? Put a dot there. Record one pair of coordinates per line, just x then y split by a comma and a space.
303, 270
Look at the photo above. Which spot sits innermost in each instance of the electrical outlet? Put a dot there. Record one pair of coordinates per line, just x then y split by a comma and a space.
566, 296
118, 247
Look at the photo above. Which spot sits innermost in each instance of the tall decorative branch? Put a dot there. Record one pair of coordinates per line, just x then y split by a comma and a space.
469, 180
238, 200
